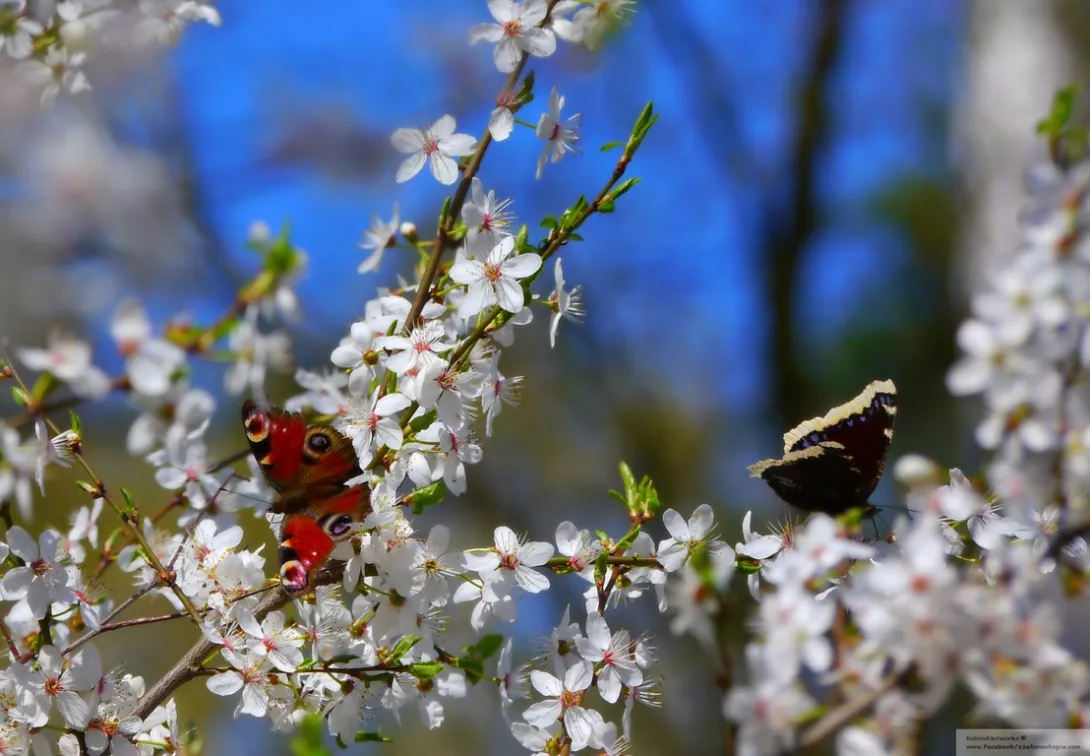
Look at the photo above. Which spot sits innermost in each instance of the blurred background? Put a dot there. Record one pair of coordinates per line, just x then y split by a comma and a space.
828, 182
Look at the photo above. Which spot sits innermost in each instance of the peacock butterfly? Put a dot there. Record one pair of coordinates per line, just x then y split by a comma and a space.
833, 463
308, 465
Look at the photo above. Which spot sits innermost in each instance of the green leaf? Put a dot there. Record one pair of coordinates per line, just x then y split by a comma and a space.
644, 123
282, 257
308, 738
401, 648
372, 737
549, 222
473, 668
629, 538
526, 91
427, 496
601, 564
486, 646
423, 421
77, 426
1063, 105
521, 239
574, 237
611, 146
130, 513
425, 670
606, 206
45, 383
21, 397
624, 187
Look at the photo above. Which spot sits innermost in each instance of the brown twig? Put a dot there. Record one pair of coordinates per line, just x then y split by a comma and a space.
840, 716
191, 665
454, 210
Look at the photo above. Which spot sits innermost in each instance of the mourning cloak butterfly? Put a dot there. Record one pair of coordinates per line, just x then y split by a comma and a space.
832, 463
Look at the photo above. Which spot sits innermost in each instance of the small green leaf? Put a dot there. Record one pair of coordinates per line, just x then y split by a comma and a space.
21, 397
629, 538
624, 187
549, 222
606, 206
425, 670
423, 421
427, 496
1063, 105
473, 668
601, 564
77, 426
521, 239
308, 738
401, 648
487, 645
45, 383
611, 146
526, 91
372, 737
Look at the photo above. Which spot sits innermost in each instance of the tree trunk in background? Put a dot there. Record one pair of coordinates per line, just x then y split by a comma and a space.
789, 225
1016, 59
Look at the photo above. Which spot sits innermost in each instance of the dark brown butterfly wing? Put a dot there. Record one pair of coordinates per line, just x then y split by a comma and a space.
834, 462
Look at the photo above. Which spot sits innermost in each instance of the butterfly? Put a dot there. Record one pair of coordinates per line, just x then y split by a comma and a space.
833, 463
308, 465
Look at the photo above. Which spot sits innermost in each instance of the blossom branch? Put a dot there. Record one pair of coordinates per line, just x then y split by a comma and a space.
129, 519
842, 715
454, 209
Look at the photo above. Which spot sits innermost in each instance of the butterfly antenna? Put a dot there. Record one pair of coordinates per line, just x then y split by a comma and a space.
200, 516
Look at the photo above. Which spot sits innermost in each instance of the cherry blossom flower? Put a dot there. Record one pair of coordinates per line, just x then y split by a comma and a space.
252, 679
512, 685
272, 640
501, 122
497, 391
613, 653
561, 703
69, 360
766, 709
689, 536
438, 145
380, 237
487, 219
593, 21
565, 304
255, 352
17, 41
58, 70
149, 362
55, 679
495, 280
419, 351
42, 580
517, 32
377, 425
560, 137
581, 548
511, 560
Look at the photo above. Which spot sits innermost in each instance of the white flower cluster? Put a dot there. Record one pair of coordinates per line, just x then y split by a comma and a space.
47, 44
1027, 348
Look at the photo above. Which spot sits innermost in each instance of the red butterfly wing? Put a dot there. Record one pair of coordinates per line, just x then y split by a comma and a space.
308, 466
